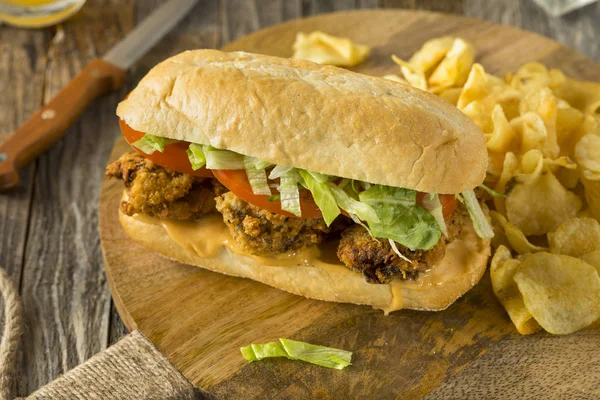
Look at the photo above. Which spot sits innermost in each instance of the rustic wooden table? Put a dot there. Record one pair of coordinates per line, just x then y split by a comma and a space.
48, 228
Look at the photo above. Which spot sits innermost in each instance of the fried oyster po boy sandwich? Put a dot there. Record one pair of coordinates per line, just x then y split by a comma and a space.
313, 179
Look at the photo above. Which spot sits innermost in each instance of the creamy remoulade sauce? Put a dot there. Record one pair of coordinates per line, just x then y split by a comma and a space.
207, 236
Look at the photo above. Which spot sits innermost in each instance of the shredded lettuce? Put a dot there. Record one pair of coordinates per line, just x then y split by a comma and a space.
401, 219
395, 250
491, 191
431, 202
196, 156
289, 193
279, 170
321, 194
256, 177
319, 355
222, 159
260, 164
480, 222
347, 203
150, 143
321, 178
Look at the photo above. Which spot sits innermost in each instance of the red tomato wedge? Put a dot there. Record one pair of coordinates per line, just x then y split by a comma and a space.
237, 182
174, 157
448, 202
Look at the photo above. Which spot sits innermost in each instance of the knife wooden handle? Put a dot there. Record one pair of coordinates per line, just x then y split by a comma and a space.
49, 123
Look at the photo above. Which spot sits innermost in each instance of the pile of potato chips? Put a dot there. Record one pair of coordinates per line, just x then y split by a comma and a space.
542, 133
322, 48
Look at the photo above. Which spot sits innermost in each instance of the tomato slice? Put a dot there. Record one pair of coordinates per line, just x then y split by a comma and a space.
237, 182
174, 157
448, 202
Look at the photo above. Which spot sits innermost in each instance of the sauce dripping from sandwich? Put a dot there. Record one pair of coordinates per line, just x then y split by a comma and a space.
206, 237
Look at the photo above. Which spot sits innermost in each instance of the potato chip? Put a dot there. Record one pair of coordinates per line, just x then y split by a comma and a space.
584, 96
495, 165
530, 77
593, 259
589, 125
454, 68
502, 270
569, 175
585, 214
539, 207
568, 120
451, 95
587, 153
431, 53
575, 237
534, 76
561, 292
592, 195
502, 136
480, 95
515, 237
534, 133
531, 167
499, 238
412, 74
322, 48
543, 102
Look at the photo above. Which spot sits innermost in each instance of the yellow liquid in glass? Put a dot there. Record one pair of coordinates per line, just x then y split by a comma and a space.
37, 13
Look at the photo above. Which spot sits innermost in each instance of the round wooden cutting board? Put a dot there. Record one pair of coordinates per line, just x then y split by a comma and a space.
200, 319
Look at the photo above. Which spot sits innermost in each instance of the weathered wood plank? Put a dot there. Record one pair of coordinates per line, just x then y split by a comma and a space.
367, 3
576, 30
323, 6
447, 6
274, 11
66, 301
579, 30
22, 64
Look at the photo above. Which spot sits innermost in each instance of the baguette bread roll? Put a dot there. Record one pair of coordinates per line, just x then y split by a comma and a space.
319, 118
462, 267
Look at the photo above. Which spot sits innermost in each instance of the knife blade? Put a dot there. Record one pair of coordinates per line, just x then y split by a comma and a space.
125, 53
97, 78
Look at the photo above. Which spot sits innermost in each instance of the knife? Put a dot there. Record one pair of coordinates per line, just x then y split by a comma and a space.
99, 77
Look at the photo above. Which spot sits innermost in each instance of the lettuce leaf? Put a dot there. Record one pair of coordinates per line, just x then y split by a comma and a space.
196, 156
319, 355
289, 193
257, 177
150, 143
431, 202
480, 222
279, 170
401, 219
347, 203
321, 194
222, 159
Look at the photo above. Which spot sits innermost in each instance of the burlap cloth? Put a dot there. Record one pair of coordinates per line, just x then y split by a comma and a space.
130, 369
